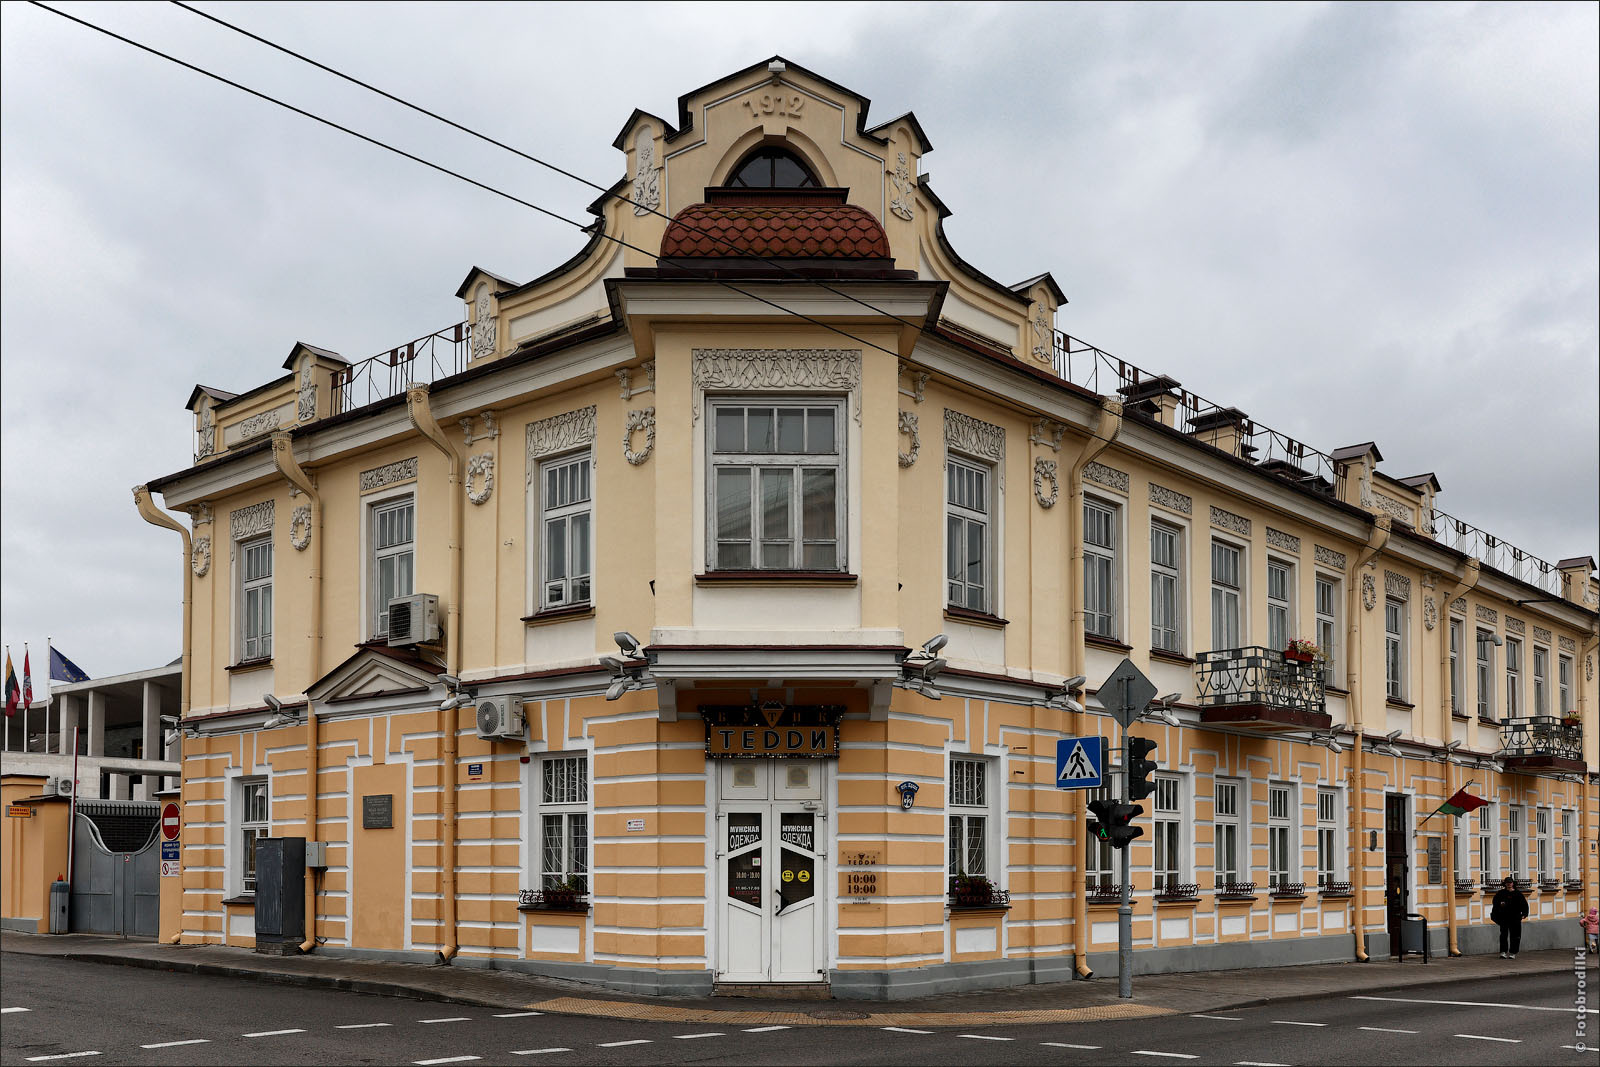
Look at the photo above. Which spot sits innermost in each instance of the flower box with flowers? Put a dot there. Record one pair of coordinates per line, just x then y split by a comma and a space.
1301, 650
972, 891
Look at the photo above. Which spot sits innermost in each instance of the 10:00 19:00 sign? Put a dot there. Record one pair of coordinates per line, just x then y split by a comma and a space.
859, 884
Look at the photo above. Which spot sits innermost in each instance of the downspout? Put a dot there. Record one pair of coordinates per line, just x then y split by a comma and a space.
156, 517
1467, 581
1586, 829
1355, 657
419, 409
1105, 431
289, 467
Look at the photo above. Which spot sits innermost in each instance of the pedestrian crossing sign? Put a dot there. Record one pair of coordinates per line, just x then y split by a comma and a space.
1080, 762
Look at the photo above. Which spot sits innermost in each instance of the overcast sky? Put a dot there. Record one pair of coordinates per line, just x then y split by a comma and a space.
1355, 222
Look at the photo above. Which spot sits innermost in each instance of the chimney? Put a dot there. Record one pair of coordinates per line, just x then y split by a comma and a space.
1228, 429
1155, 397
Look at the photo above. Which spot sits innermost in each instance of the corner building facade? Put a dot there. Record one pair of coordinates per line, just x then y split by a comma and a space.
768, 420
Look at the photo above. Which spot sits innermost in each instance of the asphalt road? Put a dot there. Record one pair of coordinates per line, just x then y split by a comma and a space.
76, 1012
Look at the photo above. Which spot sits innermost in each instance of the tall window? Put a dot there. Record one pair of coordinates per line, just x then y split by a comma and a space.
1513, 677
253, 826
1327, 622
1100, 858
1166, 588
778, 478
1485, 642
1280, 590
1515, 843
1100, 569
1458, 634
565, 505
1281, 866
1542, 846
1167, 863
1225, 594
393, 548
1569, 819
1394, 647
1225, 831
1541, 680
1564, 684
1486, 850
564, 821
255, 588
969, 816
1327, 837
1462, 859
967, 551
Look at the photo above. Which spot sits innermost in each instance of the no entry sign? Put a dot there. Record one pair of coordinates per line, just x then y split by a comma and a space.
169, 822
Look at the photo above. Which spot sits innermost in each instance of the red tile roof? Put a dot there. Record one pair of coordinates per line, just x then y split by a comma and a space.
769, 223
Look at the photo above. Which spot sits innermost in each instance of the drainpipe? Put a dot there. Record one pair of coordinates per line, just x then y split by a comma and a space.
156, 517
1586, 829
419, 409
289, 467
1106, 431
1355, 656
1468, 579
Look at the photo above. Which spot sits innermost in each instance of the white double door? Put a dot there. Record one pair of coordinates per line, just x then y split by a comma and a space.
772, 900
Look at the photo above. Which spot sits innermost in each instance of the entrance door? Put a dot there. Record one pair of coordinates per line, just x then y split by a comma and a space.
771, 904
1396, 866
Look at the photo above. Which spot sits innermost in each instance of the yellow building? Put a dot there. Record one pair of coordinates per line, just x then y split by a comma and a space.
771, 422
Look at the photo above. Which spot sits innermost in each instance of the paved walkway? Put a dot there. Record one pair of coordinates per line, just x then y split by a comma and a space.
1159, 994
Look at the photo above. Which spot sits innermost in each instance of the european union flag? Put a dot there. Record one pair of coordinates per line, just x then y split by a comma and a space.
63, 669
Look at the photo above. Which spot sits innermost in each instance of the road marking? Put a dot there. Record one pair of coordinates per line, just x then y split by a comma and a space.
360, 1026
619, 1044
691, 1037
537, 1051
1171, 1055
452, 1019
272, 1033
1258, 1063
1503, 1040
1219, 1018
1580, 1048
1295, 1022
986, 1037
175, 1044
1063, 1044
1478, 1004
517, 1014
905, 1030
1385, 1030
765, 1029
62, 1056
8, 1011
445, 1059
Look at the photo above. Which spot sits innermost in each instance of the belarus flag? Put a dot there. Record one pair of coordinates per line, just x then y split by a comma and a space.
1460, 803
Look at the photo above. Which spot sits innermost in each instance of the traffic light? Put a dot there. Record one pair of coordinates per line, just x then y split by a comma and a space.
1140, 767
1101, 826
1121, 833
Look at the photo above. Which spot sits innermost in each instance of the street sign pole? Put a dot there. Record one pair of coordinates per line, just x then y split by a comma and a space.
1125, 908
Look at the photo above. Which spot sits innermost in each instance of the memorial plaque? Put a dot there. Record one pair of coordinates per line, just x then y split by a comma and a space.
377, 811
1435, 860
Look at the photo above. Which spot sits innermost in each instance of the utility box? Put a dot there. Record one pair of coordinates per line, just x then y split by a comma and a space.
280, 895
59, 899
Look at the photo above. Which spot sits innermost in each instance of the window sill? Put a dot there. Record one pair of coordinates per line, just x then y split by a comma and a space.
1487, 721
1335, 690
978, 909
568, 909
1104, 902
1171, 657
1112, 643
775, 577
576, 611
1399, 704
244, 665
243, 900
1182, 902
976, 618
1458, 716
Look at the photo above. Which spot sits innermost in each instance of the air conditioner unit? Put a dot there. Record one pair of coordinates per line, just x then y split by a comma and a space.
413, 620
497, 719
61, 787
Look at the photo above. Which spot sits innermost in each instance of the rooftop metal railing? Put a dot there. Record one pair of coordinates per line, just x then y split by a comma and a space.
1493, 552
424, 360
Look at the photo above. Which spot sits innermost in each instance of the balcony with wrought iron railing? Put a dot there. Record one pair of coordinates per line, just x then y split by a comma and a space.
1542, 743
1260, 689
423, 361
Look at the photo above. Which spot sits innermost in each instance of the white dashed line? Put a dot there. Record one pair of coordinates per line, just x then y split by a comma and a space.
537, 1051
1478, 1004
1219, 1018
691, 1037
1258, 1063
619, 1044
517, 1014
1385, 1030
1063, 1044
62, 1056
1580, 1048
986, 1037
1480, 1037
1295, 1022
272, 1033
175, 1044
1171, 1055
360, 1026
452, 1019
8, 1011
905, 1030
445, 1059
765, 1029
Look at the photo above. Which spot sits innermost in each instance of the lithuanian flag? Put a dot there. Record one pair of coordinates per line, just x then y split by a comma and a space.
1460, 803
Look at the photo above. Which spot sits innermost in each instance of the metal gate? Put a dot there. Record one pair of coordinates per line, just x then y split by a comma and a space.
116, 878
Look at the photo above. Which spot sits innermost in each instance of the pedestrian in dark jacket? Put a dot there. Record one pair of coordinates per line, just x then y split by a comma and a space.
1510, 907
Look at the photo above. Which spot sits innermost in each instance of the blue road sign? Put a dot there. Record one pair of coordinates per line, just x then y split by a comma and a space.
1080, 762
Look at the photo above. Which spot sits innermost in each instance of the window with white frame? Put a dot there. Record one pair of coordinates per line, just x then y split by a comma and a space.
1458, 636
1564, 684
255, 598
968, 811
1394, 647
1516, 845
1327, 623
1100, 858
968, 541
254, 824
1280, 603
1166, 587
1281, 865
1513, 678
1569, 820
1100, 594
394, 531
1461, 860
777, 486
1541, 680
1167, 861
1487, 854
566, 503
563, 821
1543, 849
1225, 831
1485, 679
1226, 590
1328, 852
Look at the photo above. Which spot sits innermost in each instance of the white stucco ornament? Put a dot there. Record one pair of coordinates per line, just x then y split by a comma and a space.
483, 323
308, 395
1369, 592
300, 528
1430, 612
908, 426
480, 477
200, 558
646, 175
1044, 470
208, 435
639, 421
903, 203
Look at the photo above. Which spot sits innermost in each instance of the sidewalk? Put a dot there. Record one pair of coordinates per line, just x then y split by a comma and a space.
1160, 994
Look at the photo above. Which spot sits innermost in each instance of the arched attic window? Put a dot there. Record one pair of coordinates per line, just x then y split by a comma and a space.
772, 168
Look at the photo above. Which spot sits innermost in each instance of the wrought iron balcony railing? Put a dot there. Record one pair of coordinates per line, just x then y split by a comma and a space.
1260, 678
1336, 889
1492, 551
1102, 892
1174, 892
1541, 739
1236, 890
424, 360
1284, 890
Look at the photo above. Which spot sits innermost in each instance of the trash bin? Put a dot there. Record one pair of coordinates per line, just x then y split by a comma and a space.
58, 907
1414, 936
